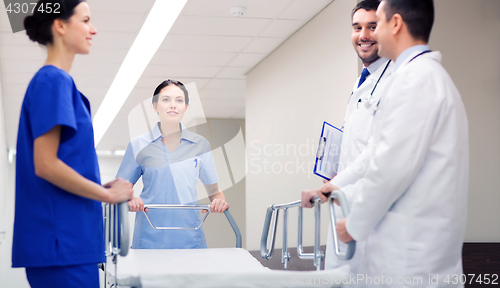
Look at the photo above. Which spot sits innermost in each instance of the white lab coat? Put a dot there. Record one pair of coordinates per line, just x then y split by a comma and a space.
356, 133
411, 203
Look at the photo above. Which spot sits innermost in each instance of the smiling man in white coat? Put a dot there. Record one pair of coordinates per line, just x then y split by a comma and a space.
411, 202
358, 119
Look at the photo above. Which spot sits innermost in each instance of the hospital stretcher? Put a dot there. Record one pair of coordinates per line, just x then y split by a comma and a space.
216, 267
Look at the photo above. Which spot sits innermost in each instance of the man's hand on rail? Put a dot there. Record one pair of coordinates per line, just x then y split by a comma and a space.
344, 236
307, 196
323, 193
136, 205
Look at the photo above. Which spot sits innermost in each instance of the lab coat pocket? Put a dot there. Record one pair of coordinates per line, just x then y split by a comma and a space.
361, 125
387, 246
185, 174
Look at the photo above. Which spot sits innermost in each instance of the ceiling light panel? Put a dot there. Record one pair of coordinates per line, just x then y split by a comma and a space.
192, 58
303, 9
220, 8
96, 81
152, 82
218, 26
15, 39
246, 59
103, 55
23, 52
226, 84
114, 40
176, 42
165, 71
222, 94
226, 104
232, 72
263, 45
282, 28
23, 66
160, 19
86, 68
117, 22
126, 6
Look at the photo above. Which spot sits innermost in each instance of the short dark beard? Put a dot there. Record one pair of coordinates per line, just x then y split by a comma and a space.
371, 59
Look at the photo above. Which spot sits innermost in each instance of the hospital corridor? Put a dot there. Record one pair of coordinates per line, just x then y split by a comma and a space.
249, 143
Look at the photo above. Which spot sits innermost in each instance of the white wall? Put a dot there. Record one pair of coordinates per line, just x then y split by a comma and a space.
466, 32
309, 78
9, 277
306, 81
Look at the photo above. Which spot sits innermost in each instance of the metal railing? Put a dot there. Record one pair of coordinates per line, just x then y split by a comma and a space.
351, 246
271, 221
116, 229
228, 215
272, 216
116, 234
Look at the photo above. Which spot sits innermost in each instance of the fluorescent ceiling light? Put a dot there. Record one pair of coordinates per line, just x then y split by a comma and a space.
119, 152
160, 19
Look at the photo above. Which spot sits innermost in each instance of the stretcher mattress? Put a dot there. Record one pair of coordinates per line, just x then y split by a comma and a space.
207, 268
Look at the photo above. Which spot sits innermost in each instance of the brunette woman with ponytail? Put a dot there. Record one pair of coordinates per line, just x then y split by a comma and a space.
58, 227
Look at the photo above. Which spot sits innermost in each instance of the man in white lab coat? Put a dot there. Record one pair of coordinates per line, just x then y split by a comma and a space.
411, 202
358, 119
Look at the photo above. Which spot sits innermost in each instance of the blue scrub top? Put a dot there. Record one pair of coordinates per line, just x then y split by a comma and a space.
168, 178
53, 227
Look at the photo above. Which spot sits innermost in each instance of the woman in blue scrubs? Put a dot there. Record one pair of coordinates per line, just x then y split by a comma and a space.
170, 159
58, 226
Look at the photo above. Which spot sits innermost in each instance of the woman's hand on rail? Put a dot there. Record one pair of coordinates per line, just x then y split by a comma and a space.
218, 206
218, 202
49, 167
136, 205
344, 236
119, 190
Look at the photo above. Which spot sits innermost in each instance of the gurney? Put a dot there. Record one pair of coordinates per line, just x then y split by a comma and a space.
215, 267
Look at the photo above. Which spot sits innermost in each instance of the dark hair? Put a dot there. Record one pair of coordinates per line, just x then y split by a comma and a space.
417, 14
39, 25
165, 84
368, 5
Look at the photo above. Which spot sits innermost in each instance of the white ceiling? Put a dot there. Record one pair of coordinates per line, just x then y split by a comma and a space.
206, 45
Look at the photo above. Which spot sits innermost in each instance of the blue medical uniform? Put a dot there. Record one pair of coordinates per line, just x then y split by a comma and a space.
53, 227
168, 178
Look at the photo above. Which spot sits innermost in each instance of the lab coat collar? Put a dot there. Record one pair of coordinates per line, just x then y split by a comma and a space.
375, 70
410, 52
375, 65
185, 133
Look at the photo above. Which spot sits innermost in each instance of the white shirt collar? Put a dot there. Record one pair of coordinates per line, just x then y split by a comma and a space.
185, 133
375, 65
412, 50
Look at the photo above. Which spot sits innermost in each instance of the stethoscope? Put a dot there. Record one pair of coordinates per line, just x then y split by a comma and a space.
369, 99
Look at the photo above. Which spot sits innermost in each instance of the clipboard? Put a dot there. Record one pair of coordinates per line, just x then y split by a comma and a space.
328, 154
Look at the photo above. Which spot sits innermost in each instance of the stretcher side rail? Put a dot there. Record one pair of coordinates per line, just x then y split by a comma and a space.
116, 233
271, 220
351, 246
228, 215
272, 216
116, 228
